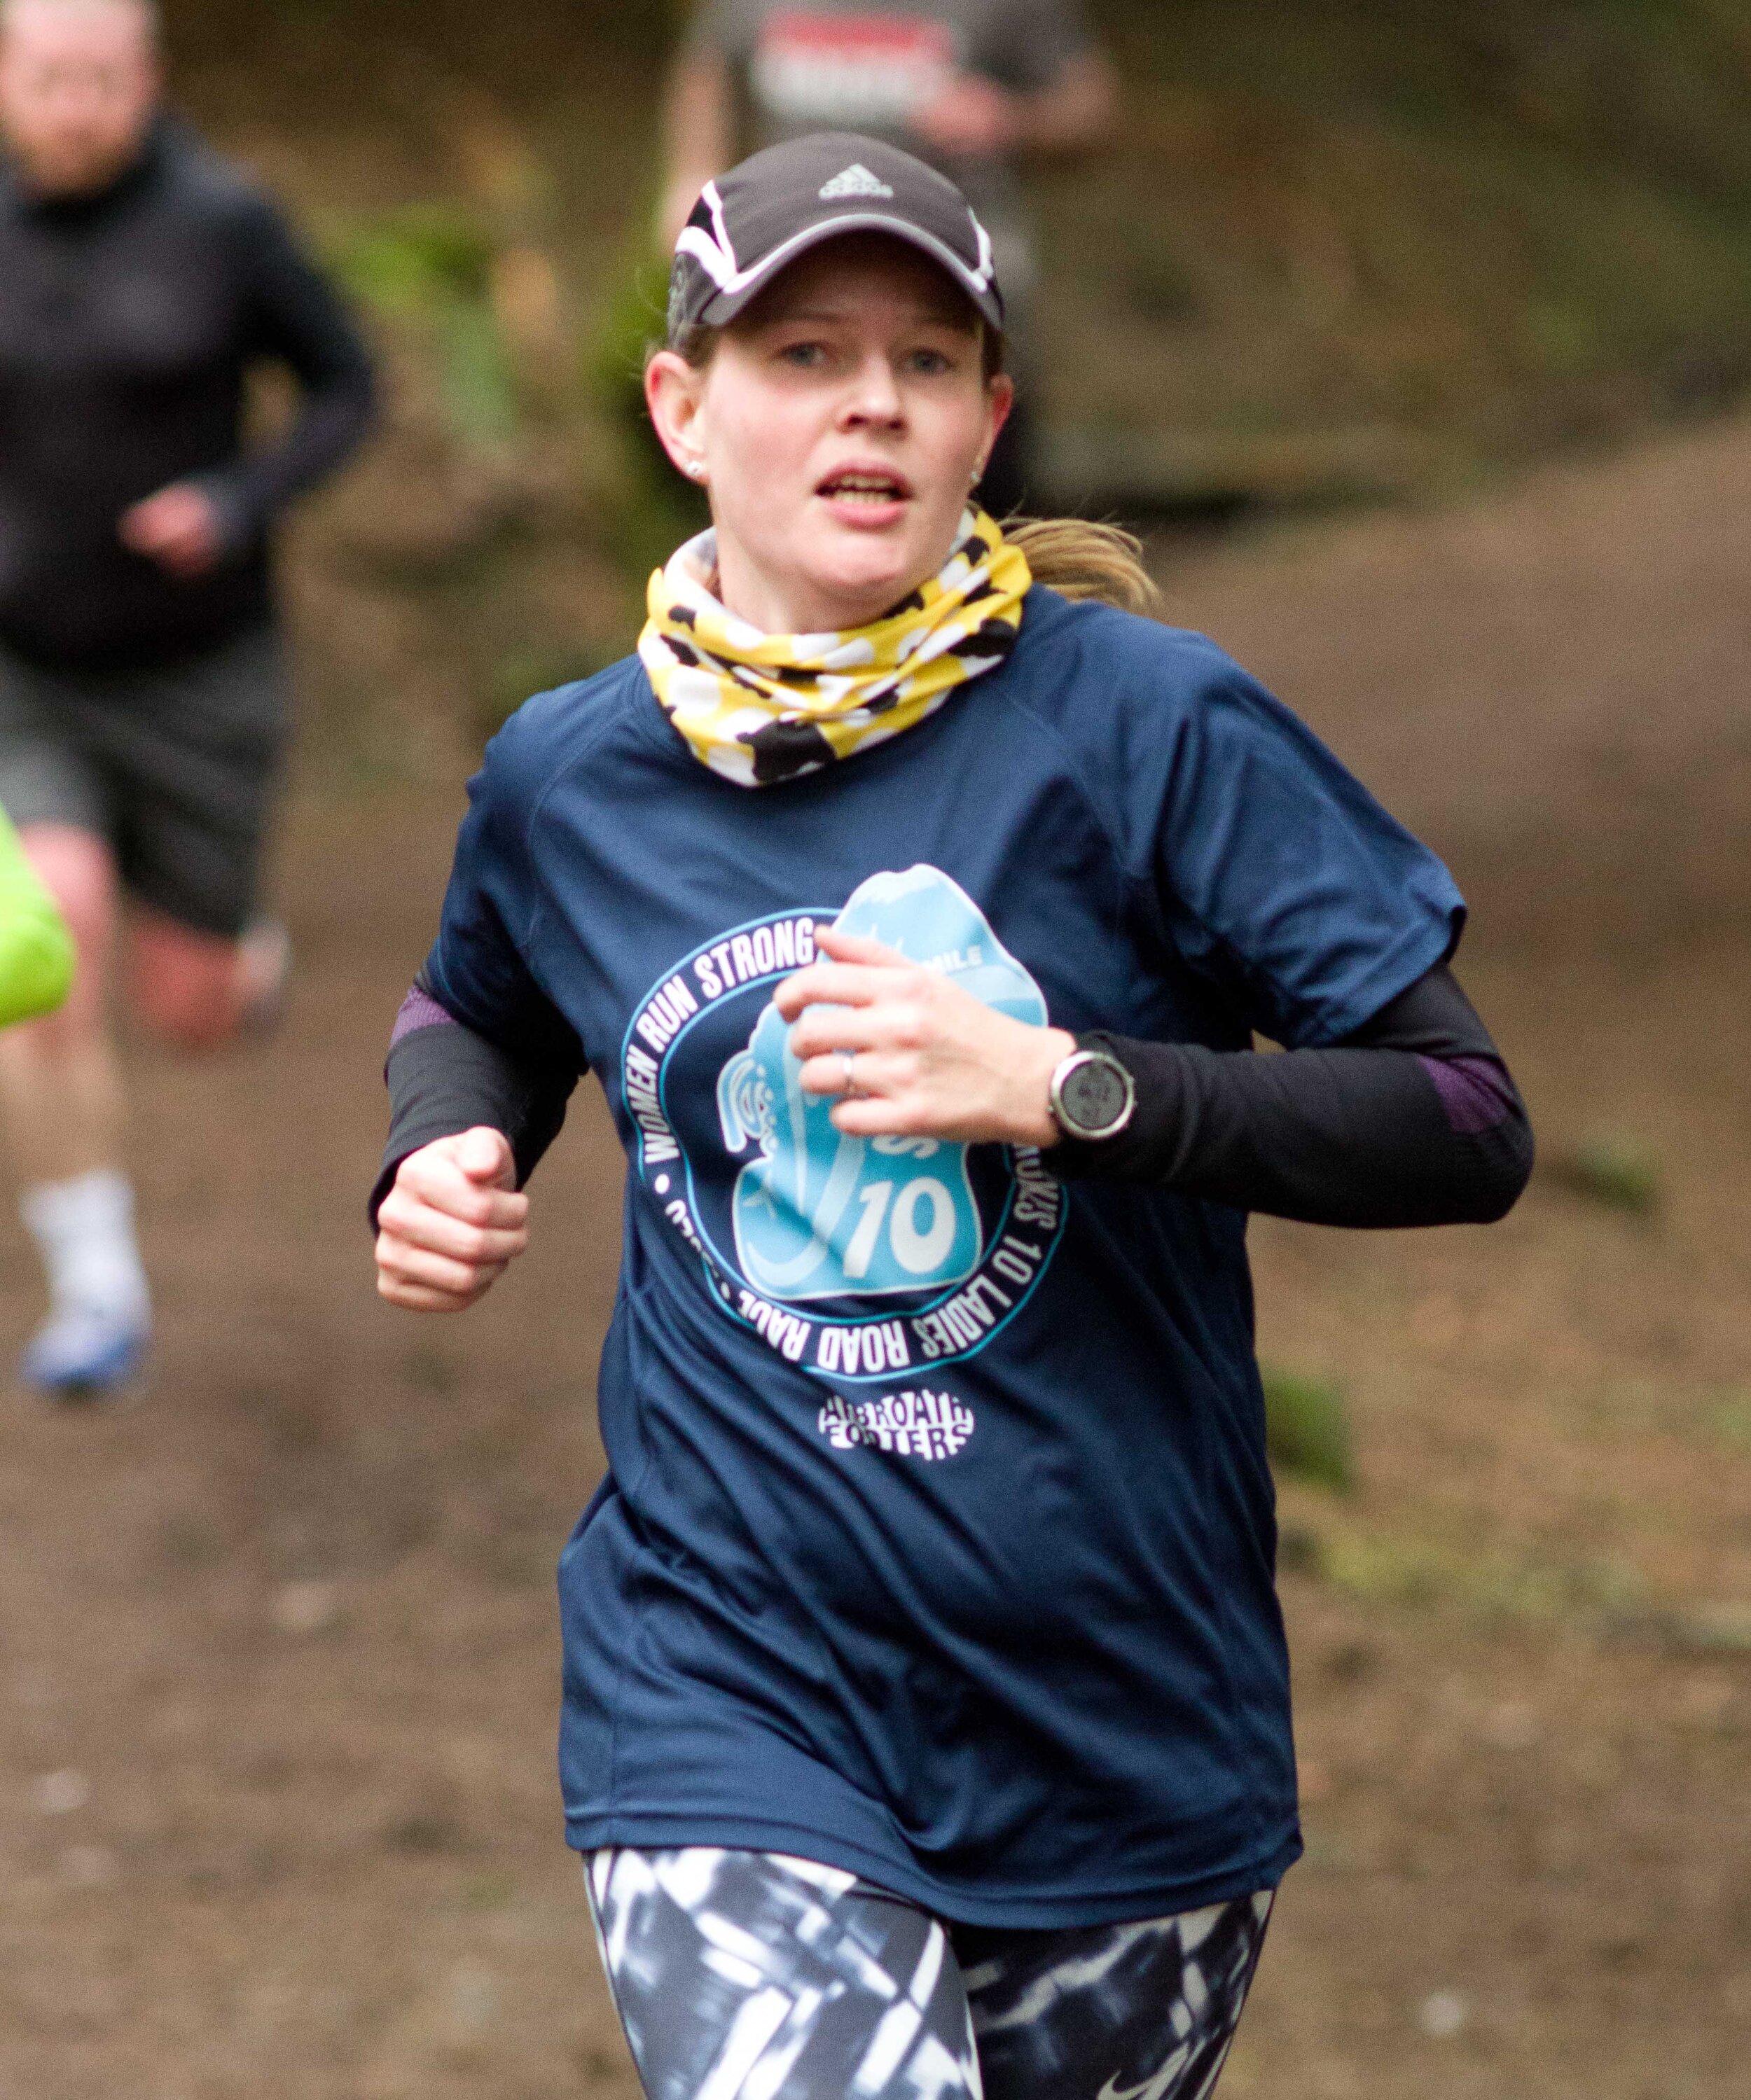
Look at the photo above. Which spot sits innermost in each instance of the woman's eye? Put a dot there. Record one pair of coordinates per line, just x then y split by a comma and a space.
806, 356
931, 364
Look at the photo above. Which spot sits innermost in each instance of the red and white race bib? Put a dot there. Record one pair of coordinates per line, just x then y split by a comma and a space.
860, 72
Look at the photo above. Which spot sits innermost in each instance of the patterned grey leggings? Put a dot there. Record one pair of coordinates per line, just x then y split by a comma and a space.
751, 1976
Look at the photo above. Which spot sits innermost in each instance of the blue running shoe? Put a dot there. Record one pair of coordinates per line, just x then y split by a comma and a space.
81, 1354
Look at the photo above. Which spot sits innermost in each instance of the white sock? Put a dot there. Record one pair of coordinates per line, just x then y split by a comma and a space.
84, 1231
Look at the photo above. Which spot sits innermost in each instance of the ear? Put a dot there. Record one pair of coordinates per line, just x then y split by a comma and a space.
1000, 399
673, 390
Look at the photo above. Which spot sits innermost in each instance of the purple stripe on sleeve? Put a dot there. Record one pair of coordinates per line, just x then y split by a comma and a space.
419, 1010
1475, 1093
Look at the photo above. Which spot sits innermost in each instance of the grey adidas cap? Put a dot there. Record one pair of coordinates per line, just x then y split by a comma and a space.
766, 212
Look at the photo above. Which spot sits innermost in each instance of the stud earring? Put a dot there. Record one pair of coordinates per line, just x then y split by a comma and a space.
696, 470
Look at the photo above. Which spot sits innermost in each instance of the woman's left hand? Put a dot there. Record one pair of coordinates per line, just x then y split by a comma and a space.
908, 1054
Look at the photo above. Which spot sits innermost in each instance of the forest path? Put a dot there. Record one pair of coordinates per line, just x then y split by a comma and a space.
278, 1658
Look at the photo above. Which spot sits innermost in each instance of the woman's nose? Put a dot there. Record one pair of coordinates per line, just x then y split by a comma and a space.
875, 397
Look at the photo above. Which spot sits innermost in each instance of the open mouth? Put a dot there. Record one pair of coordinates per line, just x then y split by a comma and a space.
870, 485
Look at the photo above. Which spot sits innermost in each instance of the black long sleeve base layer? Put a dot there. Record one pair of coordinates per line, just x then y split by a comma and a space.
1414, 1121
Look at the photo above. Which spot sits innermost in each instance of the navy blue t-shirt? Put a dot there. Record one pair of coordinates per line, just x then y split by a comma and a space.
937, 1537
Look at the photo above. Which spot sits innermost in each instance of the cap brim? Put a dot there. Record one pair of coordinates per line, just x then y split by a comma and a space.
724, 305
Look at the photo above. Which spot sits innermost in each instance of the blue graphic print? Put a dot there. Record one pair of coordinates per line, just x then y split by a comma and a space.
821, 1214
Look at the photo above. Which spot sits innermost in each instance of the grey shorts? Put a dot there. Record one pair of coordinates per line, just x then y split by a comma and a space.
176, 767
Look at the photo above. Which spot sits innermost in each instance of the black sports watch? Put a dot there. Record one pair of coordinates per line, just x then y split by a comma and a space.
1092, 1096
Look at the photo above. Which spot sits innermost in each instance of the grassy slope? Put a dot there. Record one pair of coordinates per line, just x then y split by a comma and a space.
1451, 231
1356, 246
1447, 229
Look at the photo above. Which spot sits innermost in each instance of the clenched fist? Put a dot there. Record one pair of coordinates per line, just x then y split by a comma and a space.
452, 1225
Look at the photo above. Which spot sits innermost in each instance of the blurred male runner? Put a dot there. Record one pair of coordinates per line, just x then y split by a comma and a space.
142, 688
974, 86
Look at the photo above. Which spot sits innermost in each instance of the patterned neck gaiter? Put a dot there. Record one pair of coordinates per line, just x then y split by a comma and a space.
760, 709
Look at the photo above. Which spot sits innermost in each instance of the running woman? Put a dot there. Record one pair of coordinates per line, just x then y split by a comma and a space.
926, 1719
36, 949
142, 681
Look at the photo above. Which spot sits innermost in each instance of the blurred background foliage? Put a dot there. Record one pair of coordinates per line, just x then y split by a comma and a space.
1357, 251
431, 266
1309, 1434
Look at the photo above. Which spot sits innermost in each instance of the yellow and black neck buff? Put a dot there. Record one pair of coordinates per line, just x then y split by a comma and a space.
761, 708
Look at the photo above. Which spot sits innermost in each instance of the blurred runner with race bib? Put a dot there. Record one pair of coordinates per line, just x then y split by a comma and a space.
975, 86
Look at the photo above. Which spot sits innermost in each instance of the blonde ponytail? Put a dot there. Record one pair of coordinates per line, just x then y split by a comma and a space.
1083, 561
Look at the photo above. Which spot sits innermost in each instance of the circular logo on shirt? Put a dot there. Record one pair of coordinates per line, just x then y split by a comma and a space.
854, 1258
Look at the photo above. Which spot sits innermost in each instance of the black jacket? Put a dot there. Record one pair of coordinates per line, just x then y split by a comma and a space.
128, 322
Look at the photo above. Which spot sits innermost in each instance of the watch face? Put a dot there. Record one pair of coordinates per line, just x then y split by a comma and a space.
1095, 1096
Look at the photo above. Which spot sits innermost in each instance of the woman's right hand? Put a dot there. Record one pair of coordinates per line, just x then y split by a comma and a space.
452, 1225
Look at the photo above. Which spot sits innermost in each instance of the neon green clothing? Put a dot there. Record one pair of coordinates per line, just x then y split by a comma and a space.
35, 950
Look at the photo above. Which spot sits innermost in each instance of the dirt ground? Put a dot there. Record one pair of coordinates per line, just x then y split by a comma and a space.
278, 1656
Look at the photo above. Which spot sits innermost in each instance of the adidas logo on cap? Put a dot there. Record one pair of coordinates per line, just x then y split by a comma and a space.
855, 181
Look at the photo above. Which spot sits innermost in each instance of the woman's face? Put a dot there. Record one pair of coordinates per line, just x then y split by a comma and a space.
840, 427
